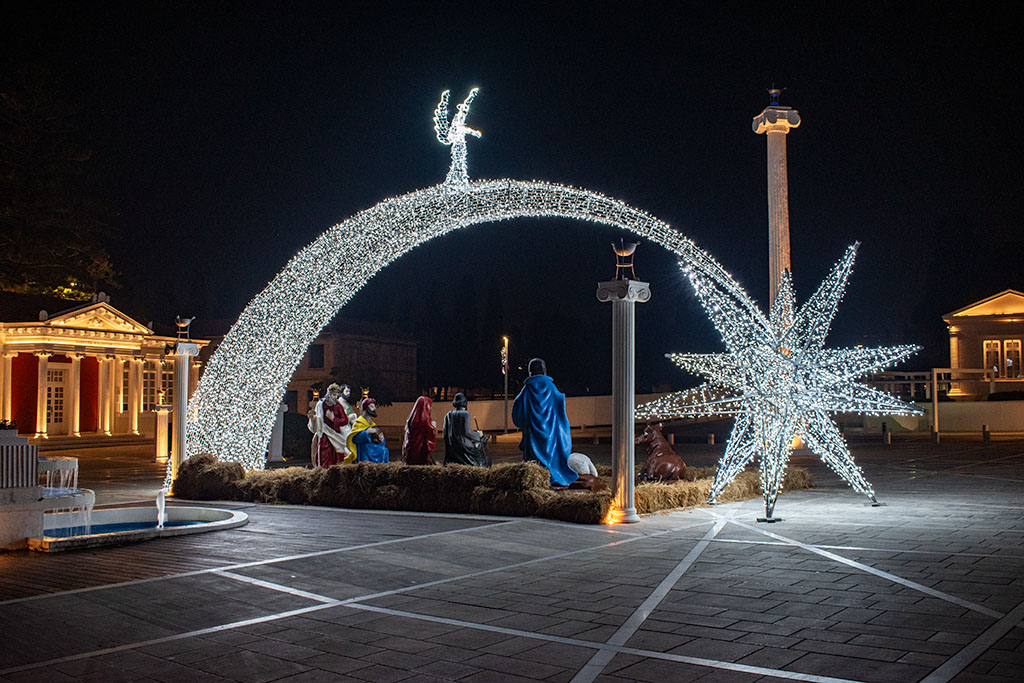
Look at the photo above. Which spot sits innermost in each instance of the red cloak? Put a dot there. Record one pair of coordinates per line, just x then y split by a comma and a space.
419, 434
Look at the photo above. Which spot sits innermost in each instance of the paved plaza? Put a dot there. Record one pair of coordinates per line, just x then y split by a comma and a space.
928, 587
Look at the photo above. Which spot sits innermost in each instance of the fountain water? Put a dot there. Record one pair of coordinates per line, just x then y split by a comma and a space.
161, 516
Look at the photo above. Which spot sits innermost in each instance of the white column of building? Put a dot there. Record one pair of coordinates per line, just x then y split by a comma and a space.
623, 294
183, 353
75, 391
5, 387
102, 395
134, 393
119, 387
112, 396
774, 122
158, 383
43, 356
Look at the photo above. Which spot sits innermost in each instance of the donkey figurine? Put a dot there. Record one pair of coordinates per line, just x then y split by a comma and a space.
662, 462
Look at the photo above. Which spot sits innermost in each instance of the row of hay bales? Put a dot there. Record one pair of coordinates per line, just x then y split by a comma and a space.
513, 490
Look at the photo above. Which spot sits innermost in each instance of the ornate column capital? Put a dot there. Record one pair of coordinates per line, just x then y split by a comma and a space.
776, 119
42, 354
624, 290
186, 349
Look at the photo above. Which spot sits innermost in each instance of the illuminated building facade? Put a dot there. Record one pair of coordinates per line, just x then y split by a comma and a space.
987, 335
87, 370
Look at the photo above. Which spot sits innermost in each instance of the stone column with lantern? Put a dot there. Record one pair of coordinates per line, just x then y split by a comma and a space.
623, 293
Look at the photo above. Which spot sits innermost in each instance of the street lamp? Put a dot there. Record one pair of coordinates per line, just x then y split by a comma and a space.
504, 371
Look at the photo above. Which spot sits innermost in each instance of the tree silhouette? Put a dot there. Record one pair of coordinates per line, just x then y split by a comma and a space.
51, 234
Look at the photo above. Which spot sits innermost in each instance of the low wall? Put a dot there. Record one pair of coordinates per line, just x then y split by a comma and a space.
1000, 416
583, 411
596, 411
968, 416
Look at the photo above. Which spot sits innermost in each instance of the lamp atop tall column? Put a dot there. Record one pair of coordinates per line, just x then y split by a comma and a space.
774, 122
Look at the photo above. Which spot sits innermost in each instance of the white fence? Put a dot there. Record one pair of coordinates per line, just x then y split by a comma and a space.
18, 466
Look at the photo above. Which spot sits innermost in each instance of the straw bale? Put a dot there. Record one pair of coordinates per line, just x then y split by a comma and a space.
520, 489
521, 476
580, 507
203, 477
488, 500
666, 496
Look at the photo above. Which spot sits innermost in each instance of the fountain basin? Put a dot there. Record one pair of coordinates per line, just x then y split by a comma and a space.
116, 526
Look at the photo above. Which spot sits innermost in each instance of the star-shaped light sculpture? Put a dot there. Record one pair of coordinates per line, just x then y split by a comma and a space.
778, 379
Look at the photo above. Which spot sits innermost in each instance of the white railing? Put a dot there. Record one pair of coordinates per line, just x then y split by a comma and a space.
18, 466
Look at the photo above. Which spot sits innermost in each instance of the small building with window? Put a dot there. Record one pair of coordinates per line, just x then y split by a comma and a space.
85, 370
987, 335
348, 344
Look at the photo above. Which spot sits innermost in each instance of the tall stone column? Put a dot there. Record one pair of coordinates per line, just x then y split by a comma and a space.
134, 393
6, 406
75, 412
114, 396
623, 294
41, 431
119, 387
774, 122
158, 382
183, 354
103, 395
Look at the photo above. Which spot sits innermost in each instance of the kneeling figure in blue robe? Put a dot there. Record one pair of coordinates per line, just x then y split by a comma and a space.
539, 411
366, 440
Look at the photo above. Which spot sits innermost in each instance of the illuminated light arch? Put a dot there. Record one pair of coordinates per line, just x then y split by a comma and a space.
233, 410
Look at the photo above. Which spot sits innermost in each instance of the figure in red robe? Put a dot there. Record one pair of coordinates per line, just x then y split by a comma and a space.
419, 434
331, 423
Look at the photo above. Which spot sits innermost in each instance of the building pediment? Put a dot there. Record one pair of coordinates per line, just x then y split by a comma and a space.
1008, 302
100, 317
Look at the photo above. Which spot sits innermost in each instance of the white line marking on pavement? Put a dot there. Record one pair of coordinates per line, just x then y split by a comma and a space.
275, 586
877, 572
255, 563
167, 639
962, 659
599, 661
607, 647
943, 553
329, 602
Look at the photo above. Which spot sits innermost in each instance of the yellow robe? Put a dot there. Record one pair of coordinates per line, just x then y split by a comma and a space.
362, 423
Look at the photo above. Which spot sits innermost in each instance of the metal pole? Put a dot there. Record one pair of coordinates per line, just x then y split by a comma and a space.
504, 371
935, 405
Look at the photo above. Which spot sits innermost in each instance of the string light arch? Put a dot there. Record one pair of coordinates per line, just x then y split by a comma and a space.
233, 409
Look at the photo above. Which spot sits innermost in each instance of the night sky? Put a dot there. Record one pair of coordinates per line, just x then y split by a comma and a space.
227, 136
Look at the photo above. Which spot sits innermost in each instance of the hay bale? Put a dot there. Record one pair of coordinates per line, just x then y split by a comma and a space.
520, 476
797, 478
580, 507
203, 477
488, 500
658, 496
293, 485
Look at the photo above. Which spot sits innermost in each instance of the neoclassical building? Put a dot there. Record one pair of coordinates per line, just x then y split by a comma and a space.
88, 369
987, 335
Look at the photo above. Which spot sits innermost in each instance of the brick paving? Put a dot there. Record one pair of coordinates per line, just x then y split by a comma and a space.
928, 587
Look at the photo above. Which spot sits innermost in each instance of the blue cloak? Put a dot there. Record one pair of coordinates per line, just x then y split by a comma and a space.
366, 449
539, 410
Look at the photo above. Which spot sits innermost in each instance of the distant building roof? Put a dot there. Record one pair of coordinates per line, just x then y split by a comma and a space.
1006, 302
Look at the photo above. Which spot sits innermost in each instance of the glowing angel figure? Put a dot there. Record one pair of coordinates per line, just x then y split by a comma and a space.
777, 379
454, 134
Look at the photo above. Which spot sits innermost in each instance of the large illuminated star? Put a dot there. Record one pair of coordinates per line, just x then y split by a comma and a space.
777, 378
